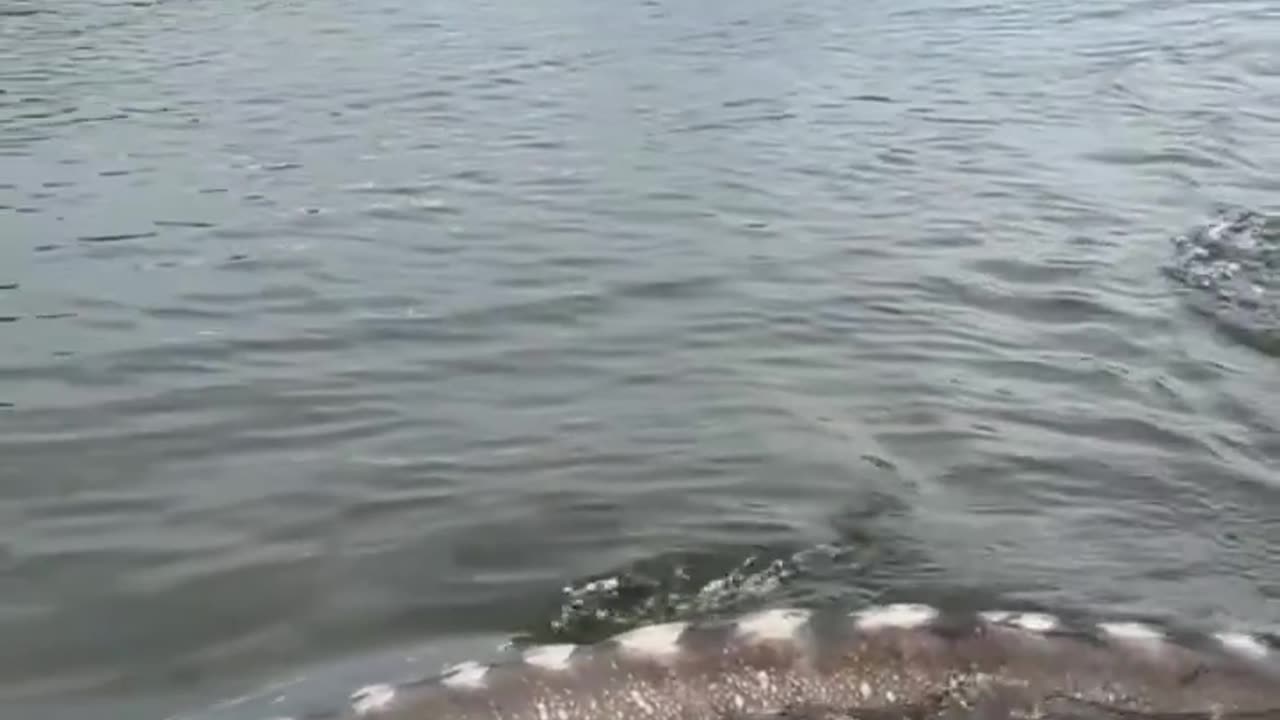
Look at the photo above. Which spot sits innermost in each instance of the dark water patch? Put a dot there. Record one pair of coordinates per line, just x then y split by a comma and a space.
118, 237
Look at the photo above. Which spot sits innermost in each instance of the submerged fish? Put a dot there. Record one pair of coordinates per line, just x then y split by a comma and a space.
889, 662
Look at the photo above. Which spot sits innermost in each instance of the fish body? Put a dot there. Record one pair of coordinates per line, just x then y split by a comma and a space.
880, 663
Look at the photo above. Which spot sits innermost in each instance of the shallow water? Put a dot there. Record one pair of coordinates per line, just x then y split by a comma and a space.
331, 329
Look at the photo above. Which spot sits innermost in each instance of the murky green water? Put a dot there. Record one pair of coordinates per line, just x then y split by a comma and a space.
335, 328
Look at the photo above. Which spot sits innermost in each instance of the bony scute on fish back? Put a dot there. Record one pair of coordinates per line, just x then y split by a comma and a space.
372, 699
889, 657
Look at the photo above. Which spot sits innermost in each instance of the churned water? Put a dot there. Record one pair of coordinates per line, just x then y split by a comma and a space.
332, 329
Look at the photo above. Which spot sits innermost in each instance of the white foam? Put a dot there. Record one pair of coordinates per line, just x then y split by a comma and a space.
775, 624
1243, 643
1131, 631
550, 657
899, 615
372, 698
468, 675
653, 640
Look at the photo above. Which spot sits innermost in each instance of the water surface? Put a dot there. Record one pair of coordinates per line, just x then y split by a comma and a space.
334, 329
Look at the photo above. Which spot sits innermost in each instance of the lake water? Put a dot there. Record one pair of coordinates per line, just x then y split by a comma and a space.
339, 338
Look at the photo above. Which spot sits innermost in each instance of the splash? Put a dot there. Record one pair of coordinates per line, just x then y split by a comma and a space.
1232, 268
667, 588
717, 584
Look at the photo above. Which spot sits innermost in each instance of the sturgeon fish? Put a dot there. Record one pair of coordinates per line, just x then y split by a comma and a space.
887, 662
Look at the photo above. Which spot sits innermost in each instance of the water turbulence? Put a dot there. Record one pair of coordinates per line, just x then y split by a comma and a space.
1232, 268
664, 588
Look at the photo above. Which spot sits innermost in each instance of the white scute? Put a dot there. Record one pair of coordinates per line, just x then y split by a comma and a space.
776, 624
653, 640
1031, 621
1243, 643
466, 675
1035, 622
372, 698
900, 615
550, 657
1131, 631
996, 616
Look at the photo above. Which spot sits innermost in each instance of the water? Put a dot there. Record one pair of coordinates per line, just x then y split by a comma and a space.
341, 338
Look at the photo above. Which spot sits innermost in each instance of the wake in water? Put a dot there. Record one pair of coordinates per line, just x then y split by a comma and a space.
1232, 267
